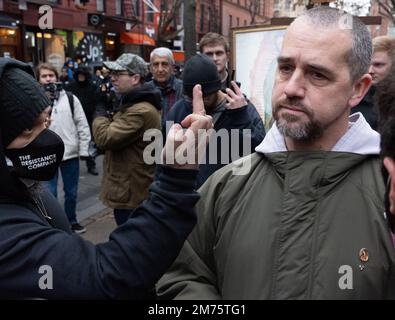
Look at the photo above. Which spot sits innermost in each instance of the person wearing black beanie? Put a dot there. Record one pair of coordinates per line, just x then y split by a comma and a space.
230, 111
39, 255
201, 70
22, 100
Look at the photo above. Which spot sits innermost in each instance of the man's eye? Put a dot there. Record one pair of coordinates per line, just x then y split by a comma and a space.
317, 75
318, 78
285, 69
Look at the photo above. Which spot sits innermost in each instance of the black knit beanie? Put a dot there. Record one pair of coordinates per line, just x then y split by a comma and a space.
200, 69
22, 100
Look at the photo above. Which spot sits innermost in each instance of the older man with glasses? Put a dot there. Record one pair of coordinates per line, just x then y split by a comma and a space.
126, 177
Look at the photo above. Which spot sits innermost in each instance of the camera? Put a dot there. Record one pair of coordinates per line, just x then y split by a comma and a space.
52, 90
53, 87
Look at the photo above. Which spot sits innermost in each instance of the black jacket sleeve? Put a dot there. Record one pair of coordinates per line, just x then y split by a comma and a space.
37, 260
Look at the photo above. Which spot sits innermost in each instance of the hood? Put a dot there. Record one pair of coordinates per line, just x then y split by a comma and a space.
360, 139
144, 93
86, 72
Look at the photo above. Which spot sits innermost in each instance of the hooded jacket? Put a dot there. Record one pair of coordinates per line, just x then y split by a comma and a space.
296, 225
126, 176
85, 92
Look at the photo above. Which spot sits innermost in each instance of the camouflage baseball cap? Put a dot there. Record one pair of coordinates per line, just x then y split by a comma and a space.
128, 62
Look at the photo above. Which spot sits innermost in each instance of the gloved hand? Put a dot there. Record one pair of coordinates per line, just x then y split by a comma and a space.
101, 103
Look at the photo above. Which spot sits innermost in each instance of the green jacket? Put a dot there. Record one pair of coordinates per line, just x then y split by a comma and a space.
292, 228
126, 177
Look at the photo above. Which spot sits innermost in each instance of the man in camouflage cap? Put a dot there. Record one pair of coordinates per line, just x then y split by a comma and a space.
128, 62
126, 177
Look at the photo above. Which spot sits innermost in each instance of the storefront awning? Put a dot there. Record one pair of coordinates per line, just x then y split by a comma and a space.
7, 22
137, 38
179, 56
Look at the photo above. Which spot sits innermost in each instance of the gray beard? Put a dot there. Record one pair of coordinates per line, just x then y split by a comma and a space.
302, 132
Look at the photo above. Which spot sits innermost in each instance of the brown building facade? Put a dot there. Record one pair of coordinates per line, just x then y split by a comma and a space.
242, 13
87, 31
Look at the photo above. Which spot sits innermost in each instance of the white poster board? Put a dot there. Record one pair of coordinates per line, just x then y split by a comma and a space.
255, 53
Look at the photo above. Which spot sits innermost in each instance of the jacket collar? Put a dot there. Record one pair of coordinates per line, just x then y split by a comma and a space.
360, 139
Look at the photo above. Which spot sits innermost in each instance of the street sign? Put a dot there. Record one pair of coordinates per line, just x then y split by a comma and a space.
95, 19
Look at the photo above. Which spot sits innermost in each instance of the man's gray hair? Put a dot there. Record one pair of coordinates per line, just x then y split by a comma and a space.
163, 52
360, 56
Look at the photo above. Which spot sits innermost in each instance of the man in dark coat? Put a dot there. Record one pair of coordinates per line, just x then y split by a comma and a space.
85, 90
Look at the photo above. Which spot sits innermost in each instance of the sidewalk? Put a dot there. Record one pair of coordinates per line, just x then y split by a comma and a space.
91, 213
99, 226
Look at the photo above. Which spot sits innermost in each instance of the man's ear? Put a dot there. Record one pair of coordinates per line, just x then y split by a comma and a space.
136, 79
360, 88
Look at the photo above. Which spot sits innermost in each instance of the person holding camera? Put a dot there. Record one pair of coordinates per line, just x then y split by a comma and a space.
68, 120
120, 134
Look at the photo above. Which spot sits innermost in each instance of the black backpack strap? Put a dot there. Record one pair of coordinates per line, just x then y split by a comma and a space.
71, 102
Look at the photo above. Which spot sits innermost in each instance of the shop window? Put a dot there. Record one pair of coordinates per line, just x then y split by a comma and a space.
150, 15
136, 8
8, 42
119, 7
101, 5
30, 41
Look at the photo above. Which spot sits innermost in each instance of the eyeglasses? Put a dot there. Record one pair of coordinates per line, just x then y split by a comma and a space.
117, 74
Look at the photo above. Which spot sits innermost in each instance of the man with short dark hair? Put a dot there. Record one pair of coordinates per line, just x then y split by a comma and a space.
216, 47
306, 221
70, 123
126, 176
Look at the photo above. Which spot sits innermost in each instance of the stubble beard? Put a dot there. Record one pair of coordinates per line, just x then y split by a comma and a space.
293, 127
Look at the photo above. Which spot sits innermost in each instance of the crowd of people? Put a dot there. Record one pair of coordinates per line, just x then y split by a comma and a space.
229, 211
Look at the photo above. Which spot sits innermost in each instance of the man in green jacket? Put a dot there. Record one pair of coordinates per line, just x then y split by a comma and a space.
306, 221
127, 177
